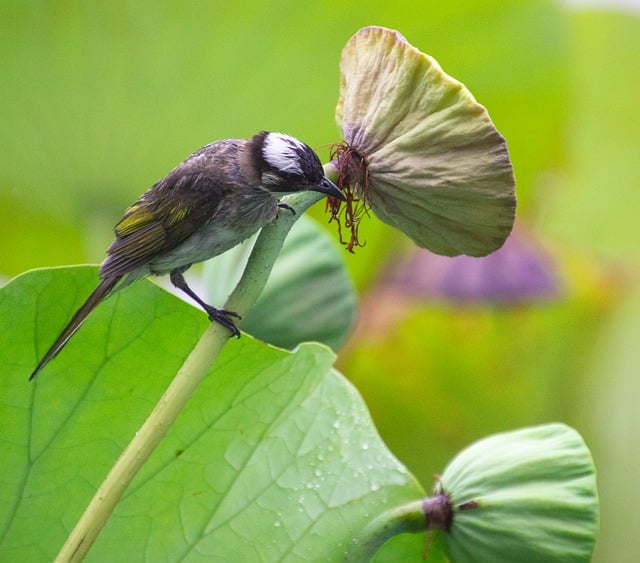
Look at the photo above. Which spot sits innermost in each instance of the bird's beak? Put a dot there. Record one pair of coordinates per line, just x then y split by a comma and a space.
327, 187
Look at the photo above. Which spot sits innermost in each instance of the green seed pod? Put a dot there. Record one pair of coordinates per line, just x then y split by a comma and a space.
436, 168
526, 496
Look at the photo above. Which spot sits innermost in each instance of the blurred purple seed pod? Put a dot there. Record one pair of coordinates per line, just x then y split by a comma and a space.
519, 272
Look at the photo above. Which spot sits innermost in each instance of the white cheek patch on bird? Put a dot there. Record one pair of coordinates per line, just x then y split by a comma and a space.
282, 152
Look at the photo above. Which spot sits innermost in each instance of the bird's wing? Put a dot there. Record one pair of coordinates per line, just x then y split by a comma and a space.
164, 217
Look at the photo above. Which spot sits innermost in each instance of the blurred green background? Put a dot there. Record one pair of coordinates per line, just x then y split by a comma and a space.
99, 101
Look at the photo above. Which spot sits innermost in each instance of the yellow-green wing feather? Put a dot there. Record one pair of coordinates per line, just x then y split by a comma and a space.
164, 217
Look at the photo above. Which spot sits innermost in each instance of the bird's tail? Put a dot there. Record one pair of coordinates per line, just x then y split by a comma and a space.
98, 295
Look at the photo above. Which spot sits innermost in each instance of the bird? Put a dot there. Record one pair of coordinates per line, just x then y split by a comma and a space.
216, 198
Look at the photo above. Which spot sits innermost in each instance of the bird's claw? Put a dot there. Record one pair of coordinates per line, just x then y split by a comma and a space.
223, 317
287, 207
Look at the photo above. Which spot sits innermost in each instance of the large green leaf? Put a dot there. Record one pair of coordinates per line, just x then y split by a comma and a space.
274, 458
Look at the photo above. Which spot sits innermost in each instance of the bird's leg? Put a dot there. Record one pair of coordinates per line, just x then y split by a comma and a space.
287, 207
221, 316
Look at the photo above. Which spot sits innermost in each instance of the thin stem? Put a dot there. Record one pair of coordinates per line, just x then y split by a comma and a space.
432, 513
406, 518
195, 367
266, 250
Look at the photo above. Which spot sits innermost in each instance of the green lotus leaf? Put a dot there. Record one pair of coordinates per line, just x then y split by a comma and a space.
274, 458
528, 496
436, 166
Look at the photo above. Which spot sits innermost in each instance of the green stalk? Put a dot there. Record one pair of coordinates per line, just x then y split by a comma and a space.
409, 518
432, 513
195, 367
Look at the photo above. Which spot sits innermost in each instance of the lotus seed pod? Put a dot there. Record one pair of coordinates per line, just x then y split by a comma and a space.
435, 166
526, 496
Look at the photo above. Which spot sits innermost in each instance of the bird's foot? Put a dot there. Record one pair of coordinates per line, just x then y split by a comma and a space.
223, 317
287, 207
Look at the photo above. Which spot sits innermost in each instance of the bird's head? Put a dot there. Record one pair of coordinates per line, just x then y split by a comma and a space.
286, 165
